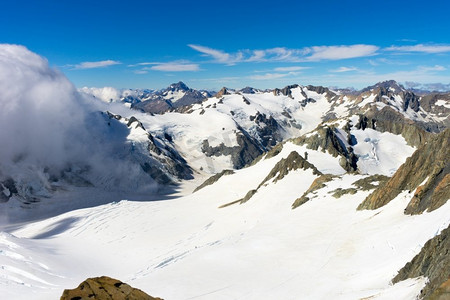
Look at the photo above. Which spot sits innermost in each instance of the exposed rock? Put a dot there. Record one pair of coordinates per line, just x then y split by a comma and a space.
429, 164
293, 162
224, 91
248, 196
433, 261
155, 173
389, 120
248, 90
339, 192
246, 100
105, 288
274, 151
213, 179
267, 129
243, 154
286, 91
410, 100
366, 183
317, 184
442, 292
327, 140
7, 189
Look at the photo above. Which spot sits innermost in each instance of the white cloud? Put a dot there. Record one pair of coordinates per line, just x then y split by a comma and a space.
175, 67
341, 52
218, 55
421, 48
268, 76
344, 69
59, 127
140, 72
106, 94
288, 55
96, 64
290, 69
431, 68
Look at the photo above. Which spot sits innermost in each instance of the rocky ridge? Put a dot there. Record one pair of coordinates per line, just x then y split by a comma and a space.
433, 261
425, 174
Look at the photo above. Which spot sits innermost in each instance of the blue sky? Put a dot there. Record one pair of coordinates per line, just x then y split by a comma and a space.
210, 44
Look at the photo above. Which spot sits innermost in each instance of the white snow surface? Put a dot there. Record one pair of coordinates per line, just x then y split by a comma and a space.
443, 103
380, 153
188, 248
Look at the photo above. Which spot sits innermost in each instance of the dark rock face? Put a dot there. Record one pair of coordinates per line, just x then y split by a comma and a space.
328, 141
248, 90
293, 162
7, 189
162, 160
286, 91
389, 120
410, 100
224, 91
243, 154
433, 261
105, 288
268, 130
430, 162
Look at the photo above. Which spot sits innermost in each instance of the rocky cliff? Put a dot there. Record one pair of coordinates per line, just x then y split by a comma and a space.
425, 173
433, 261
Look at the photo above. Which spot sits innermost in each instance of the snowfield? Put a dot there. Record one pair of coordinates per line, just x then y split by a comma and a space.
188, 248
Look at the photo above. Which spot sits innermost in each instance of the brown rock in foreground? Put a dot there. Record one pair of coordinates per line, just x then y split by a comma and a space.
433, 261
105, 288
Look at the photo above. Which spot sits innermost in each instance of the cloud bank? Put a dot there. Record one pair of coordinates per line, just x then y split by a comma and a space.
47, 127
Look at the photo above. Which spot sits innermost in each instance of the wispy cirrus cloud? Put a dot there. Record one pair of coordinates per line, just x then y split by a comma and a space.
290, 69
341, 52
269, 76
172, 66
344, 69
432, 68
96, 64
175, 67
420, 48
219, 55
282, 54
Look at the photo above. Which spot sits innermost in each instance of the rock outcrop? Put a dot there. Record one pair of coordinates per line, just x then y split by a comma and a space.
244, 153
105, 288
213, 179
327, 140
389, 120
426, 172
433, 261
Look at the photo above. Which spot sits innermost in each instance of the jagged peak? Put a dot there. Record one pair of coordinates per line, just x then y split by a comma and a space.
179, 86
249, 90
387, 84
223, 91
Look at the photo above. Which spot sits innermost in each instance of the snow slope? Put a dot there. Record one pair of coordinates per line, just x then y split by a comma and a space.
188, 248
